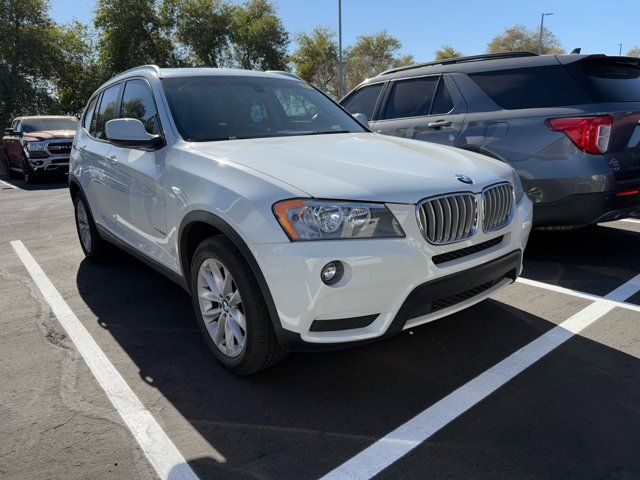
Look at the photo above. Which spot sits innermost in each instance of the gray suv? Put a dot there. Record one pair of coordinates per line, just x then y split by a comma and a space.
569, 124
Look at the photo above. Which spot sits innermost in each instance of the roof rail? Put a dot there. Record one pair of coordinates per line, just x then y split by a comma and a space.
473, 58
285, 73
141, 67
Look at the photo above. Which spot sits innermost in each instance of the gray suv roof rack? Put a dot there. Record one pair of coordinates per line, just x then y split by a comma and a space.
473, 58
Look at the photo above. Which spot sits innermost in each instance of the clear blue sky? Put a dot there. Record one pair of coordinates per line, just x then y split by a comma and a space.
423, 26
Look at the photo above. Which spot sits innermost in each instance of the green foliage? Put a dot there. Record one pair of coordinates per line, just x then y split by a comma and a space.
316, 59
447, 51
520, 38
27, 58
258, 37
634, 52
370, 55
132, 33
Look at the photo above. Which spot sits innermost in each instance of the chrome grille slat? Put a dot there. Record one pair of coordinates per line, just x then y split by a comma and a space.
449, 218
497, 204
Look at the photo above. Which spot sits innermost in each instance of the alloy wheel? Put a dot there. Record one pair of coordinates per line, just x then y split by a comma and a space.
221, 307
83, 225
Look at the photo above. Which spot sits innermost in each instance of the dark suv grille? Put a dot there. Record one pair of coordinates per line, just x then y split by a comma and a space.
59, 148
463, 252
449, 218
497, 204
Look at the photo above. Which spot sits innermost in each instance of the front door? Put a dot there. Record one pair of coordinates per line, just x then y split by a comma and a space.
422, 109
136, 180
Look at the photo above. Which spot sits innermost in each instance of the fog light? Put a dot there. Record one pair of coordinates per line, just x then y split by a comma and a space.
38, 163
332, 272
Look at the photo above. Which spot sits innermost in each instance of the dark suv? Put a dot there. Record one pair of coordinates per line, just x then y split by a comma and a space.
34, 146
569, 124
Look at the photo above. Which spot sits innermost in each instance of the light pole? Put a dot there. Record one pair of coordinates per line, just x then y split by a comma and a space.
541, 30
340, 49
620, 50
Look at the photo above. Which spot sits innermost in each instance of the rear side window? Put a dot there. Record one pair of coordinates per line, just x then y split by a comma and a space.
608, 79
363, 100
535, 87
106, 111
411, 98
137, 102
88, 114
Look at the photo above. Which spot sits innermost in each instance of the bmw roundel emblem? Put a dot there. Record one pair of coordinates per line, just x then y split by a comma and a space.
464, 179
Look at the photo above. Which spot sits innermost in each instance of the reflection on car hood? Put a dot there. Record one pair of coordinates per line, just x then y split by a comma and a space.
361, 166
49, 134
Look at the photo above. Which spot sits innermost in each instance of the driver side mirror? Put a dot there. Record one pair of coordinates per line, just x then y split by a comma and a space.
9, 132
362, 119
130, 133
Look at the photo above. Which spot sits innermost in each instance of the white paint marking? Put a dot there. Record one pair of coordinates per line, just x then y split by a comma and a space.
405, 438
163, 455
10, 185
577, 293
630, 220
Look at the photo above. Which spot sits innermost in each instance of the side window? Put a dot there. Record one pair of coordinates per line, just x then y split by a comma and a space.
137, 102
442, 101
88, 113
363, 100
18, 126
106, 111
411, 98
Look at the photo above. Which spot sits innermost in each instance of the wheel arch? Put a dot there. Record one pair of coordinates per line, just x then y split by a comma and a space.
198, 225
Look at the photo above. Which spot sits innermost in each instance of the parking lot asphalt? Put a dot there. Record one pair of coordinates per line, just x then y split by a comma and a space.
574, 413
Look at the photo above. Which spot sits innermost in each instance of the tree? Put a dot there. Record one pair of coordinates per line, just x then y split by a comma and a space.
520, 38
316, 59
258, 37
371, 55
203, 27
78, 72
634, 52
132, 33
26, 63
447, 51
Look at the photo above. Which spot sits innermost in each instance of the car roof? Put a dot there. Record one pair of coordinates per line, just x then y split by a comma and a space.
478, 63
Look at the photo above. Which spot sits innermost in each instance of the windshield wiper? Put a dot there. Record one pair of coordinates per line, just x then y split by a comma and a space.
328, 132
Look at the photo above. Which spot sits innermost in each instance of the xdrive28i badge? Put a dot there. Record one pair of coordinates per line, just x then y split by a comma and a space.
464, 179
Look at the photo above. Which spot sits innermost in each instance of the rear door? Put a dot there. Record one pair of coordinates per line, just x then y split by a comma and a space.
422, 108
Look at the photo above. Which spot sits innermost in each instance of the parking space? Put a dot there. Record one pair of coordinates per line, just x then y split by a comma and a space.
573, 413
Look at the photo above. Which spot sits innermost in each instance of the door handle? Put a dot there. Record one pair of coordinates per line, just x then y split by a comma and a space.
439, 124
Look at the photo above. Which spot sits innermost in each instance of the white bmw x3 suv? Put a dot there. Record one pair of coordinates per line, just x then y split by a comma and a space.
293, 227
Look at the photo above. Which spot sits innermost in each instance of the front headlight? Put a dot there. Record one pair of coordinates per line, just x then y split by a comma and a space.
37, 146
517, 187
303, 219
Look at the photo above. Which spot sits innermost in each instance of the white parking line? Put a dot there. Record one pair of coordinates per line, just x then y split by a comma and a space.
10, 185
630, 220
577, 293
163, 455
405, 438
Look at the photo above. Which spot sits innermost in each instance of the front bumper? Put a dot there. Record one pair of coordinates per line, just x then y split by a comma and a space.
388, 285
52, 163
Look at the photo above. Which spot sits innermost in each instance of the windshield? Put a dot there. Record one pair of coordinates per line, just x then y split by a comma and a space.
208, 108
43, 124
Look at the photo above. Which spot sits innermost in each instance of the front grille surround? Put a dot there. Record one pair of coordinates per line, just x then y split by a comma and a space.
59, 147
498, 202
448, 218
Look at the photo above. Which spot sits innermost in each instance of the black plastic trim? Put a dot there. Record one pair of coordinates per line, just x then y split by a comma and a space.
333, 325
463, 252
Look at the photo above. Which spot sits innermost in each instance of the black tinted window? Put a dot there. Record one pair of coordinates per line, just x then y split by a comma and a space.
106, 111
43, 124
608, 79
88, 113
137, 102
411, 98
442, 101
535, 87
226, 107
363, 100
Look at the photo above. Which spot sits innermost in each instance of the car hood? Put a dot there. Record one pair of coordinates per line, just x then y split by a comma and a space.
361, 166
49, 134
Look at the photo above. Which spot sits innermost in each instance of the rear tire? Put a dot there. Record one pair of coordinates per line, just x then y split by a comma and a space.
93, 245
231, 310
10, 171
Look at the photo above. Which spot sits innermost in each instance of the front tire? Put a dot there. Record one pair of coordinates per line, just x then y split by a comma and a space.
27, 172
94, 247
230, 309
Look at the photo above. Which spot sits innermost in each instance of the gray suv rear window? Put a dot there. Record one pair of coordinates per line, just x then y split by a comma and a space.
609, 79
534, 87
